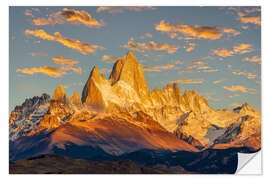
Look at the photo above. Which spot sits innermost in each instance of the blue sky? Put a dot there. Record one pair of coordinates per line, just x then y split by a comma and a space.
213, 50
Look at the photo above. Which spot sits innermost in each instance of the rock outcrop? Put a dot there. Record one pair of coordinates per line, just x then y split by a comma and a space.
126, 90
121, 114
75, 99
60, 94
25, 118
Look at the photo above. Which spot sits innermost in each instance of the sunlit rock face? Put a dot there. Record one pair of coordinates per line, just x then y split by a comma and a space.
121, 114
75, 99
60, 94
224, 128
126, 90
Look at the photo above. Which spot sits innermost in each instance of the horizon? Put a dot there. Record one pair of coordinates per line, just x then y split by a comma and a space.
215, 58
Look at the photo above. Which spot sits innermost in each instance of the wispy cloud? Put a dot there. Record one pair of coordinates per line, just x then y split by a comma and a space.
84, 48
240, 88
196, 31
38, 54
255, 59
158, 68
69, 15
234, 95
218, 81
230, 31
28, 12
188, 81
197, 62
238, 49
190, 47
146, 35
249, 75
197, 66
235, 105
244, 15
50, 71
152, 45
109, 59
119, 9
65, 64
64, 61
203, 67
244, 18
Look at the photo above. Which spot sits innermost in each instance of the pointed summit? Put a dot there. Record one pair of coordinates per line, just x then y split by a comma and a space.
91, 94
246, 108
131, 57
95, 75
195, 102
129, 71
60, 94
76, 98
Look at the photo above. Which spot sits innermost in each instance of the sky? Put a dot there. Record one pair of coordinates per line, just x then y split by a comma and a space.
215, 51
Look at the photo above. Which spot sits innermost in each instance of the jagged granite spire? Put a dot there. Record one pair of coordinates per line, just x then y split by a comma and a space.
75, 99
60, 94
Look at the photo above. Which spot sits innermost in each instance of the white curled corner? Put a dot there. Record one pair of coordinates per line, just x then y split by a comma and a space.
249, 164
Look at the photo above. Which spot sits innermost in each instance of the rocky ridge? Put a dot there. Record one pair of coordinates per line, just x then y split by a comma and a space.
124, 100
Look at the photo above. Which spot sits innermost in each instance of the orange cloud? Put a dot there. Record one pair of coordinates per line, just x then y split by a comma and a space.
205, 32
255, 59
230, 31
184, 71
109, 59
28, 12
118, 9
246, 74
203, 67
240, 88
40, 33
249, 19
197, 62
142, 47
236, 88
76, 69
217, 81
235, 105
149, 35
252, 10
191, 47
238, 49
158, 68
39, 54
188, 81
71, 16
242, 48
244, 27
64, 61
223, 52
84, 48
50, 71
66, 64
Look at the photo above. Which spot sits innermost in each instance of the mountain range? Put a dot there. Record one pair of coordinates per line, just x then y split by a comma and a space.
118, 117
